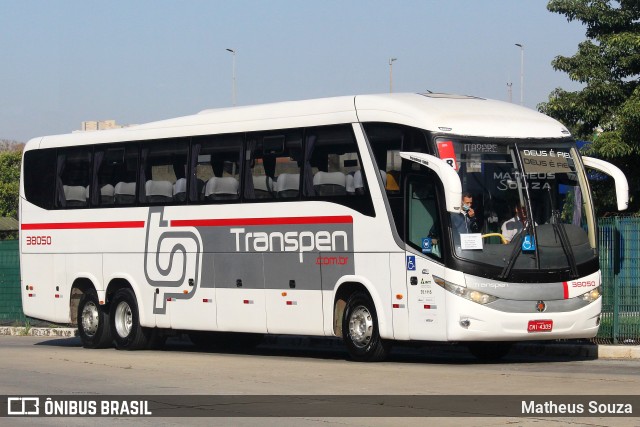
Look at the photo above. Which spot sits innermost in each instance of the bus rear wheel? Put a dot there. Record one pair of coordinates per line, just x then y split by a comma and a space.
125, 322
360, 330
93, 322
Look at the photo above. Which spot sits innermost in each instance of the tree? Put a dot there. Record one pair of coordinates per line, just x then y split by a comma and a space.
9, 183
606, 111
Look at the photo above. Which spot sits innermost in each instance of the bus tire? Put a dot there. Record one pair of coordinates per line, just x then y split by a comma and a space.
360, 330
93, 322
489, 351
125, 322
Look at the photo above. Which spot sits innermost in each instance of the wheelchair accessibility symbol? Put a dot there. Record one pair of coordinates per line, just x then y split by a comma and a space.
411, 263
427, 245
528, 244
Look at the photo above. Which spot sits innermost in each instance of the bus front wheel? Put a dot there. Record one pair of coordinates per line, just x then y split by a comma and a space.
93, 322
125, 322
360, 330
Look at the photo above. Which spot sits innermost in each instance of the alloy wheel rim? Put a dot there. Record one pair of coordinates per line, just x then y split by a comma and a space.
89, 318
361, 326
123, 319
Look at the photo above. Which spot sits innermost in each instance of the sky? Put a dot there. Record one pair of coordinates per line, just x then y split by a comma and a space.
64, 62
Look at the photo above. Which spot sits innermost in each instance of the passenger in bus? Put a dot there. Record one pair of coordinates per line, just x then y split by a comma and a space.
466, 221
513, 226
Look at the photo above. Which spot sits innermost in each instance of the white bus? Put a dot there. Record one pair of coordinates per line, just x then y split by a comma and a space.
331, 217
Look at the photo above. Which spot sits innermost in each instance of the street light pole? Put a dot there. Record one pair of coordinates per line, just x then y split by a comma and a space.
521, 46
233, 88
391, 74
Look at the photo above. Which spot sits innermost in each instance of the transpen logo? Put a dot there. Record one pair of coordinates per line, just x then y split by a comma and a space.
290, 241
172, 259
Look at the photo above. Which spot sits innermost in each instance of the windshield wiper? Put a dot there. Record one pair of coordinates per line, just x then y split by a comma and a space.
529, 226
558, 229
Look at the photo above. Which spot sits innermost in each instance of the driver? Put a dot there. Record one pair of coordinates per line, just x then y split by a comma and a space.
466, 221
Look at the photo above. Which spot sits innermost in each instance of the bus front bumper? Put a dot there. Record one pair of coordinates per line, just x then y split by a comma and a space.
469, 321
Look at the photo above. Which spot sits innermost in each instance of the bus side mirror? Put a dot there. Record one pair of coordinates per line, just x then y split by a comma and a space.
448, 176
622, 186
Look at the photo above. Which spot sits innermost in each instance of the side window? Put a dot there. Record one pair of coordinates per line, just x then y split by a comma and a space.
274, 160
424, 230
116, 178
73, 177
387, 140
40, 177
215, 166
332, 164
163, 169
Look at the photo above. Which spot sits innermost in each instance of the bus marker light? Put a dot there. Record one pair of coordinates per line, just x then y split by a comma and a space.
398, 305
248, 301
284, 294
32, 295
58, 296
185, 291
292, 302
101, 302
30, 287
430, 307
399, 296
206, 300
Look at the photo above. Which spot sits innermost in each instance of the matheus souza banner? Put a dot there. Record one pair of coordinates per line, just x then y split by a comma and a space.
319, 406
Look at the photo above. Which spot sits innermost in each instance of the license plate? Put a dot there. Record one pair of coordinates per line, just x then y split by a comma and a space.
540, 326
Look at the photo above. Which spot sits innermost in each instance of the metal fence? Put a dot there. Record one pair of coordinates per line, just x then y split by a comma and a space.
619, 262
10, 299
620, 265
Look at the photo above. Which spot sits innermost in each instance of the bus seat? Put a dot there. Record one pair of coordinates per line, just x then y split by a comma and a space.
125, 193
288, 185
107, 194
263, 187
392, 181
75, 195
159, 191
224, 188
330, 183
358, 183
349, 184
180, 190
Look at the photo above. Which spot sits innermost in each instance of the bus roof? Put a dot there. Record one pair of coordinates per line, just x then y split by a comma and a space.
443, 113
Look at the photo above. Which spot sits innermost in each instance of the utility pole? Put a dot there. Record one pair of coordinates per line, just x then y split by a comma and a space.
233, 83
521, 46
391, 74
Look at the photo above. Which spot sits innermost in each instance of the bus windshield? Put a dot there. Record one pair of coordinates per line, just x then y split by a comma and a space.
525, 205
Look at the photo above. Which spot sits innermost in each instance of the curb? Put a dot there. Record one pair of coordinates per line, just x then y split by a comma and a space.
553, 349
39, 332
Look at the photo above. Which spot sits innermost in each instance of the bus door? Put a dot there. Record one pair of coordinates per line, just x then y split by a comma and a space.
423, 234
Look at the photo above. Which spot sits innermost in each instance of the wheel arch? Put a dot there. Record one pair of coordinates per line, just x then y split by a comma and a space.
347, 287
79, 287
124, 281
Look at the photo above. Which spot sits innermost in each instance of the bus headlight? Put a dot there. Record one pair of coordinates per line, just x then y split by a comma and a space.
592, 295
461, 291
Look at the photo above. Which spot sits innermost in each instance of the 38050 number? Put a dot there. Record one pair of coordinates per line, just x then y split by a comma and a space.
38, 240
